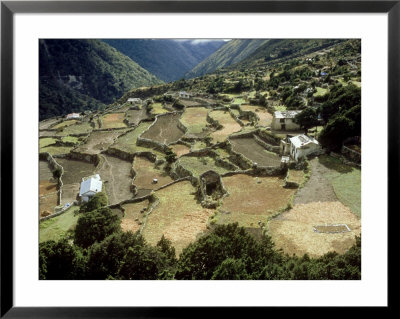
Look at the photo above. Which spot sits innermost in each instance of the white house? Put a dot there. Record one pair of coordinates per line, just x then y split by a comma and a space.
284, 120
73, 116
303, 145
90, 186
134, 100
184, 95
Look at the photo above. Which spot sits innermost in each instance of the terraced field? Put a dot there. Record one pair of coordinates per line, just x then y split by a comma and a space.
195, 120
135, 116
200, 165
134, 216
265, 118
113, 120
252, 199
80, 128
229, 125
254, 151
48, 191
146, 172
165, 130
98, 141
117, 178
178, 216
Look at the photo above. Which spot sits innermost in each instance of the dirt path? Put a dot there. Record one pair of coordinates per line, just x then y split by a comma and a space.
318, 188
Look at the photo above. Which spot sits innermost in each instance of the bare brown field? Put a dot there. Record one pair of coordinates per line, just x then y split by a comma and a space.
178, 216
265, 118
293, 231
74, 170
318, 188
98, 141
229, 125
45, 173
69, 193
296, 176
64, 124
165, 130
48, 197
180, 149
113, 120
252, 199
133, 217
255, 152
117, 179
146, 172
44, 125
79, 128
47, 187
135, 116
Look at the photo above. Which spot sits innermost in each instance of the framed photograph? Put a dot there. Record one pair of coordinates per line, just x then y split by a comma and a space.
196, 155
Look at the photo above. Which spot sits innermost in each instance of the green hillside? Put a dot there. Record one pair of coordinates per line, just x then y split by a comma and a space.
277, 50
168, 59
76, 75
232, 52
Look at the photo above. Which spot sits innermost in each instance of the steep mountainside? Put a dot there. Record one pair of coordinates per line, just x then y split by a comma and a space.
168, 59
232, 52
277, 50
77, 75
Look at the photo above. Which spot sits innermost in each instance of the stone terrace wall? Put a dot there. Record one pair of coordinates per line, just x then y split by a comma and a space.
53, 167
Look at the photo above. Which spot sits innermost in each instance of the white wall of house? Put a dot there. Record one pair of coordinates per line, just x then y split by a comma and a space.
300, 152
284, 124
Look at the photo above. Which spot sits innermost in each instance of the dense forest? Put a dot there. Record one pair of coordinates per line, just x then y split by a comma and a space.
78, 75
168, 59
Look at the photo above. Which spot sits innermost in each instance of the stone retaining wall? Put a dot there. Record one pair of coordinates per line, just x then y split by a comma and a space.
350, 154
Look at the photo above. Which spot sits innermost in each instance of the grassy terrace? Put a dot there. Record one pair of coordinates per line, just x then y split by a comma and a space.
113, 120
127, 142
229, 125
194, 119
320, 91
55, 228
252, 199
56, 150
83, 128
157, 108
64, 124
346, 182
46, 141
178, 216
200, 165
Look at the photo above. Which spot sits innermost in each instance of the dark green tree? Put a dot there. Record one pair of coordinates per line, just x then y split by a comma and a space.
307, 119
97, 201
59, 260
95, 226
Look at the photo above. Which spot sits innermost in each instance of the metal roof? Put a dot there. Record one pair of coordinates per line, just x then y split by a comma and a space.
302, 140
91, 184
286, 114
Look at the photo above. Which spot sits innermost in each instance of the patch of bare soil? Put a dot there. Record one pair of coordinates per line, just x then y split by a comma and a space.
317, 188
133, 217
135, 116
146, 173
255, 152
74, 170
165, 130
180, 149
98, 141
116, 176
294, 231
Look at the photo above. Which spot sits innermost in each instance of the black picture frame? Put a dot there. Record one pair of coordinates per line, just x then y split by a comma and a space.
9, 8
